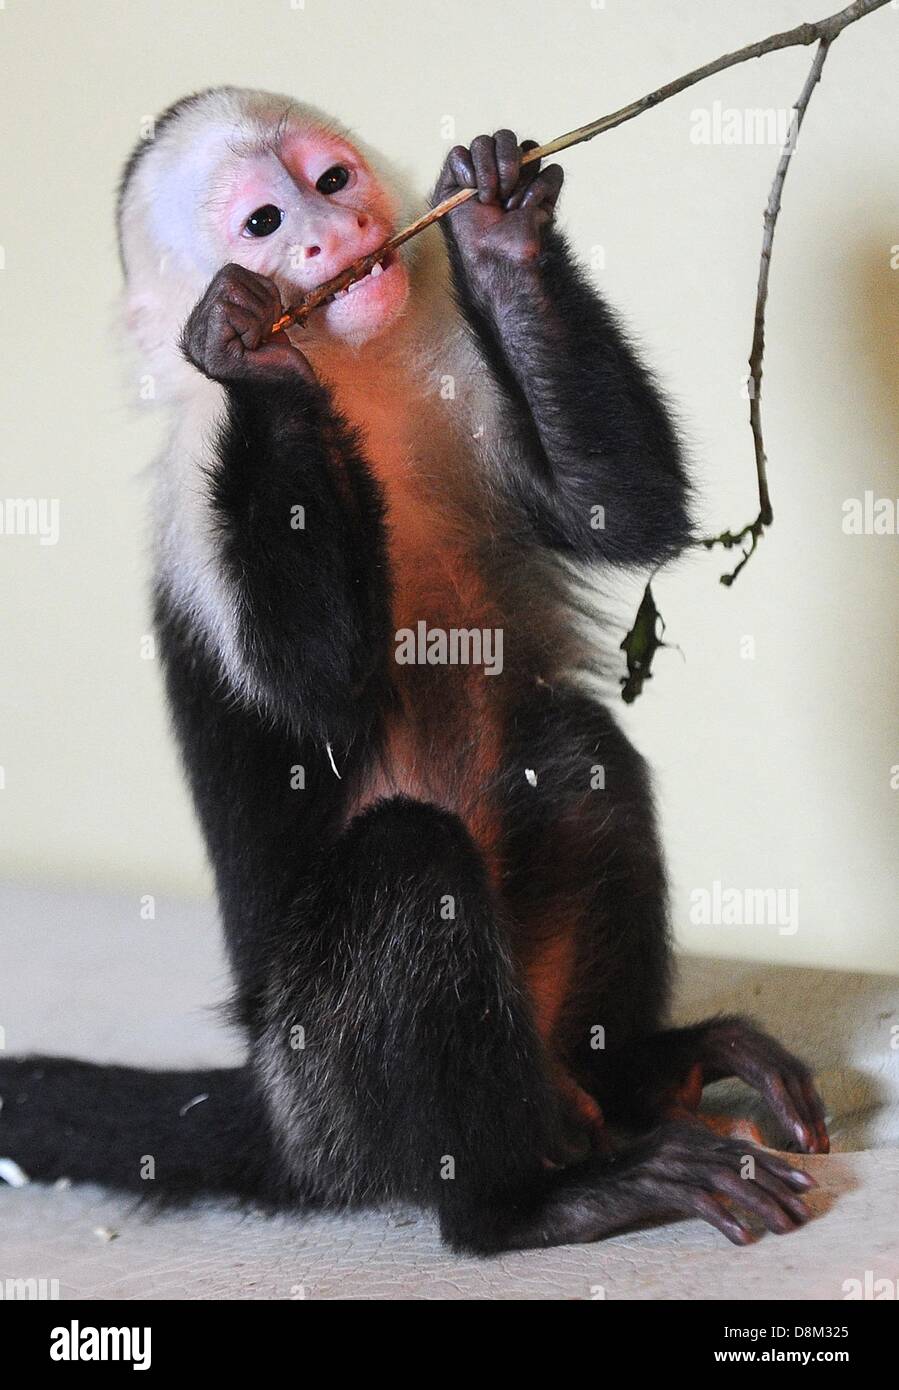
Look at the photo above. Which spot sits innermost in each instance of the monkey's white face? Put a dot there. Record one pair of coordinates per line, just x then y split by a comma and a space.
301, 216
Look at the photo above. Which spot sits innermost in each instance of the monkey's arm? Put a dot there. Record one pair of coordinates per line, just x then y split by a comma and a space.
297, 520
603, 474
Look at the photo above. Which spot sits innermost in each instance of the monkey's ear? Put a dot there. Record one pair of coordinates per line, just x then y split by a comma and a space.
154, 314
145, 320
138, 316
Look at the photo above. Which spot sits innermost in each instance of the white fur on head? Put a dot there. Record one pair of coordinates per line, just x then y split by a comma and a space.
172, 244
167, 228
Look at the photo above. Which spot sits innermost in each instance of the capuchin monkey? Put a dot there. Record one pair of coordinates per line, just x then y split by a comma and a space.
439, 874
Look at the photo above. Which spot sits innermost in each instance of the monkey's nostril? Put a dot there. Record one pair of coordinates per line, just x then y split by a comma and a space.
362, 219
313, 251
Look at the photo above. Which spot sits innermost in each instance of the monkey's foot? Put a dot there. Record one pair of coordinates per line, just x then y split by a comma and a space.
733, 1047
680, 1169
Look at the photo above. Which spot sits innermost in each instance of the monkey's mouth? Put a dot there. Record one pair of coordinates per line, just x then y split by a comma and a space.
365, 281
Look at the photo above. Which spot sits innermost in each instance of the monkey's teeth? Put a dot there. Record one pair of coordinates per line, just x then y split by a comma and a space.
376, 270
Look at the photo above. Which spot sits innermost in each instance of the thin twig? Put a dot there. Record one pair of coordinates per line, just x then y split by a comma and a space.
755, 529
827, 31
822, 30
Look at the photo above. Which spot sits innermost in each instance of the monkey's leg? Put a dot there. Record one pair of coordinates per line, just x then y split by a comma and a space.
419, 1074
585, 883
601, 880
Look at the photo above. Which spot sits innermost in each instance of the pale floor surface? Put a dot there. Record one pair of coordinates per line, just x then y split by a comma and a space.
87, 976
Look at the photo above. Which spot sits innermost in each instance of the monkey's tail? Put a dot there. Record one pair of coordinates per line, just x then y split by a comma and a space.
166, 1135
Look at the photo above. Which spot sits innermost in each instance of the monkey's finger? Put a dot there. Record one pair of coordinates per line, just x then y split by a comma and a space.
796, 1110
281, 352
809, 1107
779, 1077
545, 188
789, 1186
258, 287
526, 175
252, 302
755, 1198
784, 1095
779, 1167
265, 296
246, 324
782, 1191
731, 1153
483, 157
508, 161
458, 172
533, 167
765, 1197
523, 194
712, 1209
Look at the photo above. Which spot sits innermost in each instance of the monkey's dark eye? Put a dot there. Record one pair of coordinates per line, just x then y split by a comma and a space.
333, 179
264, 220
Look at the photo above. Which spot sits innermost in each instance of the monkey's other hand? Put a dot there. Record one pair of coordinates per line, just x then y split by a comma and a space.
514, 205
686, 1171
226, 336
735, 1047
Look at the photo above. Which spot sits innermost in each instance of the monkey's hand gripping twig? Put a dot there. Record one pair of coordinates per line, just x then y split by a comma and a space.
823, 31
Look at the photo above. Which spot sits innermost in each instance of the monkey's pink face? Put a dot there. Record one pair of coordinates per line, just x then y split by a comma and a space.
302, 216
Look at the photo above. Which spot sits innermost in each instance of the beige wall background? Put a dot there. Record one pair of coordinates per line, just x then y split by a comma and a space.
774, 768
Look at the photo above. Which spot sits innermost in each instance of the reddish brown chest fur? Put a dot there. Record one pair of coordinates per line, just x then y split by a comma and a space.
443, 736
443, 740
